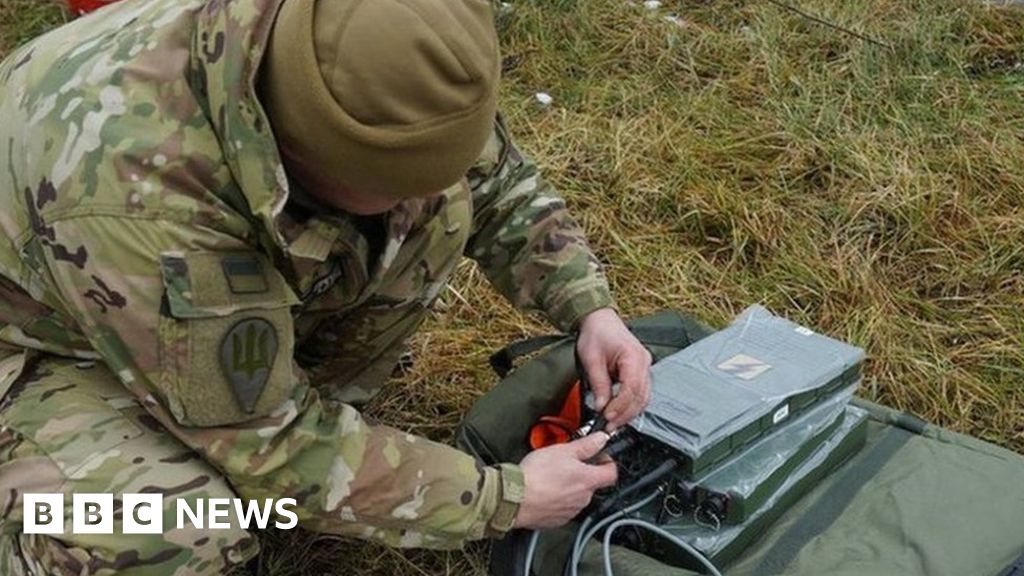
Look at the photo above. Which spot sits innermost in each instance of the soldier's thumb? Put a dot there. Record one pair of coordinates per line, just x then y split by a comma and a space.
587, 447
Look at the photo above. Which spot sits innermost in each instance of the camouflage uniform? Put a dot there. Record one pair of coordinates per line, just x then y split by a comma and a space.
170, 323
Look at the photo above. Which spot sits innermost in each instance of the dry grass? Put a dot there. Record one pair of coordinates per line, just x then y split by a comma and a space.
742, 154
22, 20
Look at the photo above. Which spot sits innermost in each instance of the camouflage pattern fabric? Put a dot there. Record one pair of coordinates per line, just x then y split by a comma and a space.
146, 226
43, 449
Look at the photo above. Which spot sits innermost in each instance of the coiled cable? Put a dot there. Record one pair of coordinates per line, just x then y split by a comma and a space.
607, 544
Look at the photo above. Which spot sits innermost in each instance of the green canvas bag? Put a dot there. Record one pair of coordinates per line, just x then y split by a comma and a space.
916, 500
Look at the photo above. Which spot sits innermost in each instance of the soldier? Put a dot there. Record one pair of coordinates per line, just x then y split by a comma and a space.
222, 221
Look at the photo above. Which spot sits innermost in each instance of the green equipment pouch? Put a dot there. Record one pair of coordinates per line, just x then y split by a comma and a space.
494, 433
1015, 569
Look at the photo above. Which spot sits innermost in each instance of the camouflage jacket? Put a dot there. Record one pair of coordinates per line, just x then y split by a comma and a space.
134, 156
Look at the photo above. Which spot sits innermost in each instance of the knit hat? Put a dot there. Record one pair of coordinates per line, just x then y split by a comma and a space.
391, 97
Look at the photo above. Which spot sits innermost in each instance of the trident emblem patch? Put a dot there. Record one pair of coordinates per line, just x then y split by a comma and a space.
247, 355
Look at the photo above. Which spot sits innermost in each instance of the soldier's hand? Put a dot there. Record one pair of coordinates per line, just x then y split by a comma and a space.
609, 352
559, 482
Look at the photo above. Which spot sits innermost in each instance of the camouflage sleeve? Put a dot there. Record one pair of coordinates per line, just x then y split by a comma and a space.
199, 327
526, 242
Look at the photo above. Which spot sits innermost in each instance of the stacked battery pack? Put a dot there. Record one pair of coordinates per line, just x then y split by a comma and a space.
756, 414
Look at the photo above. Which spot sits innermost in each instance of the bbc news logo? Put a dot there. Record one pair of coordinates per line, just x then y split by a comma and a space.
144, 513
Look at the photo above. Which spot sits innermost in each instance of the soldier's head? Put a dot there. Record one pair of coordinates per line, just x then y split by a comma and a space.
375, 101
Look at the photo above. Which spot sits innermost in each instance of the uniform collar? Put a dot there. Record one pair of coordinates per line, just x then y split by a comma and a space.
230, 39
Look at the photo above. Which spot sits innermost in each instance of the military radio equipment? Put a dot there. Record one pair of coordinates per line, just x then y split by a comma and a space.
741, 424
732, 492
744, 514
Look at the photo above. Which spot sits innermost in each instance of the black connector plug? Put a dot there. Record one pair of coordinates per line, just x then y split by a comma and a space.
664, 469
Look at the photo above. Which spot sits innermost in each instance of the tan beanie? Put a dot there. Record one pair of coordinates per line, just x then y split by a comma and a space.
392, 97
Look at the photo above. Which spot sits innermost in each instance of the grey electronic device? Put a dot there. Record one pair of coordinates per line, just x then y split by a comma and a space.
722, 543
723, 392
737, 488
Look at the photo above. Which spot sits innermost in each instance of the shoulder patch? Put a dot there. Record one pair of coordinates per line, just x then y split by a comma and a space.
247, 354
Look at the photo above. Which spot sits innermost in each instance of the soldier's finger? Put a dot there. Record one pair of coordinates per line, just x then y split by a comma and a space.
634, 373
650, 384
621, 408
602, 475
588, 446
600, 380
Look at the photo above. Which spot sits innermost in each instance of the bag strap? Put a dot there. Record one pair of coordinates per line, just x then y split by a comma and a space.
670, 336
503, 361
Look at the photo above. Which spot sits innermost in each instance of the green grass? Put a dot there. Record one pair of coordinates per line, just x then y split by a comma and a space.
745, 155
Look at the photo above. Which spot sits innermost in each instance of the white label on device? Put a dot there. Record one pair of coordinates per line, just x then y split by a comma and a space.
780, 414
745, 367
804, 331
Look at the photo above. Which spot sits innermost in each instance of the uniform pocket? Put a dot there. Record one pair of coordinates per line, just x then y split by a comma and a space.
226, 337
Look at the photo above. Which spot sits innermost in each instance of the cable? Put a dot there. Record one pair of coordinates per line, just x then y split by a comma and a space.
832, 25
596, 426
607, 544
584, 534
530, 551
584, 526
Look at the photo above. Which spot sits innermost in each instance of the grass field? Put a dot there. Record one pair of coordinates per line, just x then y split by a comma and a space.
728, 153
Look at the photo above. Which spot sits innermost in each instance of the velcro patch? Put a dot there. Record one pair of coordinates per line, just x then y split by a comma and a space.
244, 273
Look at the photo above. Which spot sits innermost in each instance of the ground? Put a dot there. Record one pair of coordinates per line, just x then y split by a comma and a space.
727, 153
